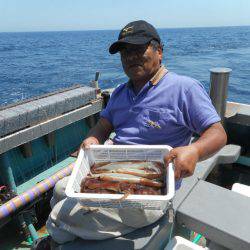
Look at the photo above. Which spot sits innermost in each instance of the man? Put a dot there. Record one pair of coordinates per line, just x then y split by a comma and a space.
154, 107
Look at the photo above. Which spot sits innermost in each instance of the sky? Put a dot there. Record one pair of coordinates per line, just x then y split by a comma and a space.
57, 15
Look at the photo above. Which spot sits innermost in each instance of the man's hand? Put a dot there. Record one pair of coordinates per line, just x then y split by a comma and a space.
98, 134
184, 159
89, 141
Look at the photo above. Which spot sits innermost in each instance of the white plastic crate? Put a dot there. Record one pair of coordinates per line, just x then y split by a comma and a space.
105, 153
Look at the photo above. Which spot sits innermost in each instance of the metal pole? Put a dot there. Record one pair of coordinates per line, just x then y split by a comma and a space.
7, 173
106, 97
95, 83
50, 139
218, 89
6, 170
32, 230
26, 150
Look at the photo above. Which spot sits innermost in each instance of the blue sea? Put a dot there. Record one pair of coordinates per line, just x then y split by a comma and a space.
35, 63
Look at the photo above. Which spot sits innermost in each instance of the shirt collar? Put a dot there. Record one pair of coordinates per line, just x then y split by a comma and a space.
162, 71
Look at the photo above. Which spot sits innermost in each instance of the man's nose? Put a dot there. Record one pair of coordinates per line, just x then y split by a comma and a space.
132, 56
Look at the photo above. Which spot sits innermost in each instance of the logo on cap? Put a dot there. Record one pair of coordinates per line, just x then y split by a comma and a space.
127, 31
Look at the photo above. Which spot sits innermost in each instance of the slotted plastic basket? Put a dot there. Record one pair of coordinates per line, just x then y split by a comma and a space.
106, 153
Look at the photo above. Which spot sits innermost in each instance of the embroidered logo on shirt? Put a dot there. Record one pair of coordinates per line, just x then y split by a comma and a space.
153, 124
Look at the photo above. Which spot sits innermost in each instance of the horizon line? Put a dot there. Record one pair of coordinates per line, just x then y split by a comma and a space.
159, 28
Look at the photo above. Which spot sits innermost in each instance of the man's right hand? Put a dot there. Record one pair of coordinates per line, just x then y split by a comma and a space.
89, 141
98, 134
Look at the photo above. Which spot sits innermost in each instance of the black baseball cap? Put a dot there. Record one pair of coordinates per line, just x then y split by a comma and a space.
137, 32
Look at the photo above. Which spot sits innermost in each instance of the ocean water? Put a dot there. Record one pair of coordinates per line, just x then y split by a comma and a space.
35, 63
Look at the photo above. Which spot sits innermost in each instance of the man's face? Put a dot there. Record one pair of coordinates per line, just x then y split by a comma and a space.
140, 62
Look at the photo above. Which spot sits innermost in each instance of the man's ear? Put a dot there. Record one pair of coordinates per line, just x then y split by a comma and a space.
160, 52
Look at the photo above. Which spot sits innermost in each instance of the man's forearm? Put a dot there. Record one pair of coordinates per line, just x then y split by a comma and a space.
101, 130
210, 141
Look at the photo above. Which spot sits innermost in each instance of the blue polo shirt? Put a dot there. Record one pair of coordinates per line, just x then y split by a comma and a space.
166, 112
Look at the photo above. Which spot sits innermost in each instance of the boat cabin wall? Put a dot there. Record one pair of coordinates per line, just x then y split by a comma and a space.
44, 156
38, 136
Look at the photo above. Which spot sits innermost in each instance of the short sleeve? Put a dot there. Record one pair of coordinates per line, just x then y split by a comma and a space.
107, 112
199, 112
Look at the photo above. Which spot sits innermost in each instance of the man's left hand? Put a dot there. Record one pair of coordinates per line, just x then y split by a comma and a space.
184, 159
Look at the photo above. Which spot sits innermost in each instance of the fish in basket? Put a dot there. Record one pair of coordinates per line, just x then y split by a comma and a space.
118, 176
128, 177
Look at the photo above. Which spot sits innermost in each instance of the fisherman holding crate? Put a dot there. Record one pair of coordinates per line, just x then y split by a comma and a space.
155, 107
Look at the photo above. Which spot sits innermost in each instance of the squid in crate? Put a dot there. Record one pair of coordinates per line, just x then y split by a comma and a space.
135, 177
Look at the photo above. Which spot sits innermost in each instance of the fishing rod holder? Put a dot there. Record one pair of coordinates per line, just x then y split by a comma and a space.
219, 78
